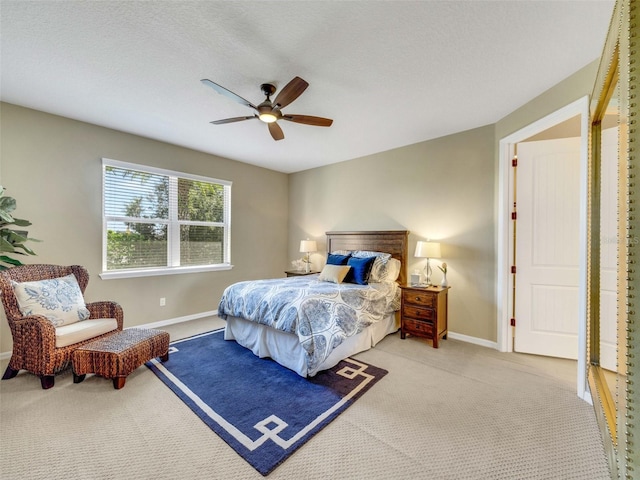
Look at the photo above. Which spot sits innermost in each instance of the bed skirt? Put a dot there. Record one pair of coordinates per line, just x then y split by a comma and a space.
285, 347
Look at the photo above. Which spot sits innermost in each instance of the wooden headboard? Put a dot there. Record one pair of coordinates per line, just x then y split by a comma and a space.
394, 242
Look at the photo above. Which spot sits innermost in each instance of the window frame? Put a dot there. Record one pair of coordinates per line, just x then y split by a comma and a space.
173, 226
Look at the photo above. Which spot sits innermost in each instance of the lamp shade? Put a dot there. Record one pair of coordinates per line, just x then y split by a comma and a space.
307, 246
427, 249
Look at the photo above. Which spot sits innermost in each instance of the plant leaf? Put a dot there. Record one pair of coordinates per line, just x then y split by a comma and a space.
21, 223
27, 250
14, 237
5, 246
7, 204
5, 216
10, 260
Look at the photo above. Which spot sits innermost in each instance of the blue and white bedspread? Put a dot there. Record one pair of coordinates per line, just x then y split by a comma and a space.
321, 314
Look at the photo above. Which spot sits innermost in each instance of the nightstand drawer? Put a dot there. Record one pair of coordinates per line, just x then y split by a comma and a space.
417, 327
419, 298
419, 313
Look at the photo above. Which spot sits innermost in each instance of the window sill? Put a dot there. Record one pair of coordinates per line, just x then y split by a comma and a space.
114, 274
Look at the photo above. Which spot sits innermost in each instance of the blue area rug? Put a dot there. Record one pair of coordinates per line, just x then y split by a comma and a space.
264, 411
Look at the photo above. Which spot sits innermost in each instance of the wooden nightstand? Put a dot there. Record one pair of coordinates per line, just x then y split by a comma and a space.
424, 312
298, 273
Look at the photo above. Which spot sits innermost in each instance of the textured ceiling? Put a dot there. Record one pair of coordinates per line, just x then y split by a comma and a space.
390, 73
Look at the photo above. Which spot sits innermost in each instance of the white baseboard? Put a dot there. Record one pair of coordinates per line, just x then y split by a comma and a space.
172, 321
586, 396
475, 340
161, 323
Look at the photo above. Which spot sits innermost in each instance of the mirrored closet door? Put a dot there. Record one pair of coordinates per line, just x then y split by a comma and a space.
614, 241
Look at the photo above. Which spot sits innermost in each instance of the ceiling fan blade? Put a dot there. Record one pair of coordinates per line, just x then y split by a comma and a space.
309, 120
231, 120
276, 131
228, 93
290, 92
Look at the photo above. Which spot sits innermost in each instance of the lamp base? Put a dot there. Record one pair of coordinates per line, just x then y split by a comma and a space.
428, 272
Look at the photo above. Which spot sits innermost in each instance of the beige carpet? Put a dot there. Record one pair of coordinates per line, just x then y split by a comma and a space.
458, 412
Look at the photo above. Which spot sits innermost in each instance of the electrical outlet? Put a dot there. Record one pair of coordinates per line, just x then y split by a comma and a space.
163, 301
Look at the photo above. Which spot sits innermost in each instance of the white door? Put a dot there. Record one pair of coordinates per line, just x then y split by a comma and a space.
547, 248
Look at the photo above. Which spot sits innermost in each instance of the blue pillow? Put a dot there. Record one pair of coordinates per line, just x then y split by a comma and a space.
360, 269
333, 259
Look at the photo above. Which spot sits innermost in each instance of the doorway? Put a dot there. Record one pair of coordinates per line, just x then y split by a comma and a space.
506, 245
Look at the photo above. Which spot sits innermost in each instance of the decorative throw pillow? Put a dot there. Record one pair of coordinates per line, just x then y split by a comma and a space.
384, 272
392, 271
378, 270
360, 269
58, 299
335, 259
334, 273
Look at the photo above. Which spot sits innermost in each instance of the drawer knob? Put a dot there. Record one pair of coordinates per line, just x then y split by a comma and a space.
418, 299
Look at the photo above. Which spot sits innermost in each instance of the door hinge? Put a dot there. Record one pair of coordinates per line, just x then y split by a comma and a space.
514, 215
513, 322
514, 162
513, 269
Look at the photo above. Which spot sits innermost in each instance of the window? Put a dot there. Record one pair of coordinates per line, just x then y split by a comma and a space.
159, 222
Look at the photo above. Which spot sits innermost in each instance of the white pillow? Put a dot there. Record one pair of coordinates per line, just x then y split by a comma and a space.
393, 270
382, 271
334, 273
58, 299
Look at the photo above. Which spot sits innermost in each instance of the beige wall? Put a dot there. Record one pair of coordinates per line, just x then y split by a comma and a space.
52, 166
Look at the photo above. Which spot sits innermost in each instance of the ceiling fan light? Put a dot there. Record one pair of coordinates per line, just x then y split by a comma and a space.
267, 117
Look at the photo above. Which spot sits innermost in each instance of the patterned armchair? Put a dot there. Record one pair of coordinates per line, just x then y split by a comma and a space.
37, 346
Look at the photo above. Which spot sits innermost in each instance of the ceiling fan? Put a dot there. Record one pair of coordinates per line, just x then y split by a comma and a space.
270, 111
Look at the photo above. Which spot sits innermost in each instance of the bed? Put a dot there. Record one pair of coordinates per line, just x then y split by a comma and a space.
297, 336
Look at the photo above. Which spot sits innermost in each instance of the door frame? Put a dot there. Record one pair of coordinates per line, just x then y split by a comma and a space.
505, 246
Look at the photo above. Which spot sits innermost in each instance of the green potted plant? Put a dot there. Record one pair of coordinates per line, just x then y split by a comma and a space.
11, 241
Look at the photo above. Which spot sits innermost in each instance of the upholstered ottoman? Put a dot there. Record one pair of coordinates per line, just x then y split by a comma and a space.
117, 355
